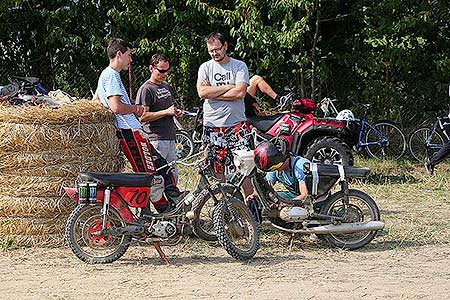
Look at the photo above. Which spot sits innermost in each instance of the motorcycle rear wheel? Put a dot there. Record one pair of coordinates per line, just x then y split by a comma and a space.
361, 208
241, 242
81, 226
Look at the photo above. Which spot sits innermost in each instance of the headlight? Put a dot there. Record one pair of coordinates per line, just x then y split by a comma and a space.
237, 161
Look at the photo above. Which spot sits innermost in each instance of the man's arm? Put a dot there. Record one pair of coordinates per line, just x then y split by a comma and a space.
206, 91
149, 116
146, 98
303, 191
120, 108
236, 93
271, 178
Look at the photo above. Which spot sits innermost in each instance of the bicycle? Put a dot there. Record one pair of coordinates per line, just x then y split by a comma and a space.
381, 139
187, 140
425, 141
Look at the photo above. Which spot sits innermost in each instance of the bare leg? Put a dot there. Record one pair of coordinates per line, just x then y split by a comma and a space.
258, 83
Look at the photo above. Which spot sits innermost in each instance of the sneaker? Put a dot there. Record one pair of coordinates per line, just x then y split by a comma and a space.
429, 168
163, 208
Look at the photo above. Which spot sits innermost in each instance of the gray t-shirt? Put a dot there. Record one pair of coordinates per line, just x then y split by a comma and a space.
157, 97
221, 113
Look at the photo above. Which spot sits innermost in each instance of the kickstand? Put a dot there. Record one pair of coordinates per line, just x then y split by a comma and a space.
161, 253
291, 241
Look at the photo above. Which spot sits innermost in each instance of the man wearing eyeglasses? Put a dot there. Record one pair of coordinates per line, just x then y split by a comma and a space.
157, 97
222, 83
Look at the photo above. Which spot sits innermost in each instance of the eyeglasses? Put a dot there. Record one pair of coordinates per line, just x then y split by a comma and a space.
162, 71
212, 51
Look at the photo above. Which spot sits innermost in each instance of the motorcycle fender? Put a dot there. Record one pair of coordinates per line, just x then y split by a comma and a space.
72, 193
115, 201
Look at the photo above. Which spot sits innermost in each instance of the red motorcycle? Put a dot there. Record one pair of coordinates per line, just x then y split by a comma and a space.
106, 219
321, 140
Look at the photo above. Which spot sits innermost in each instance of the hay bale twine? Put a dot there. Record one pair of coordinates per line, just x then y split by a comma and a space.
42, 150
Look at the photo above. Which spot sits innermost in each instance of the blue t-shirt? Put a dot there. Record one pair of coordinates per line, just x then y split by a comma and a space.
110, 84
291, 178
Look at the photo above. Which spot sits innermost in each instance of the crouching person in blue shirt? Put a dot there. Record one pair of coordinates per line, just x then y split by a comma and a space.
285, 169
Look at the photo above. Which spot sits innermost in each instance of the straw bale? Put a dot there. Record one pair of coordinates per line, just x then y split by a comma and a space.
35, 186
54, 240
16, 137
31, 226
83, 111
41, 150
61, 164
26, 207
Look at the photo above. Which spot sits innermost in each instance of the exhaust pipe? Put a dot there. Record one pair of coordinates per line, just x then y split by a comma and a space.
341, 228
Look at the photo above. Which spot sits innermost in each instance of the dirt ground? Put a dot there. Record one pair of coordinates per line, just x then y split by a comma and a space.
410, 259
309, 270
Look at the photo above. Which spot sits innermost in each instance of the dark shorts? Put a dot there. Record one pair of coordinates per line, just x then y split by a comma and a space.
249, 101
233, 137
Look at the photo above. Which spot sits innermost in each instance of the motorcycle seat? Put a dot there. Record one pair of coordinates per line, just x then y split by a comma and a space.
332, 171
118, 179
264, 123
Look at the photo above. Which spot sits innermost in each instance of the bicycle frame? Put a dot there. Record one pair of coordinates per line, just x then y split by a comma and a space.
381, 138
438, 129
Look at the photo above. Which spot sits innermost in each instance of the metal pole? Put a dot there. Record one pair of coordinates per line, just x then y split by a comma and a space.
130, 84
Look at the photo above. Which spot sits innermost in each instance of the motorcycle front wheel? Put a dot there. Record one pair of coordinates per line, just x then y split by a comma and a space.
237, 233
203, 223
361, 208
82, 229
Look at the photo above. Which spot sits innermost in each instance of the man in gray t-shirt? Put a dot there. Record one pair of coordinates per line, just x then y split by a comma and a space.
157, 97
222, 83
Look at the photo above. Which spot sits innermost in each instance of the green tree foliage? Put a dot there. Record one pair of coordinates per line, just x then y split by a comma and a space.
393, 53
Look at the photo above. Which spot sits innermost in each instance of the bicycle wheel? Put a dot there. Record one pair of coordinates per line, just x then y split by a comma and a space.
184, 145
386, 141
423, 141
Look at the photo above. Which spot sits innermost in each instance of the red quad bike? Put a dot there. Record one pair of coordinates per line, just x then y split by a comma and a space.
102, 226
321, 140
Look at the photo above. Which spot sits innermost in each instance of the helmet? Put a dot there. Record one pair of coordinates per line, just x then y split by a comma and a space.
345, 115
268, 157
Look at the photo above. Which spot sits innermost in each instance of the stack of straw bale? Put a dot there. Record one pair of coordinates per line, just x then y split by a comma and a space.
42, 150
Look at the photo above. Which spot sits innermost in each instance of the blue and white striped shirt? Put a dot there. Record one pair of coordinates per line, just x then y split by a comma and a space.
110, 84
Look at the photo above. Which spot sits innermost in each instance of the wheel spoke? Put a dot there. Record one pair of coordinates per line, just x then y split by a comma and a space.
390, 139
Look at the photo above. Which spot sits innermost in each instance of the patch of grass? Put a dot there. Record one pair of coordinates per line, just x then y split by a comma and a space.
8, 243
414, 206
